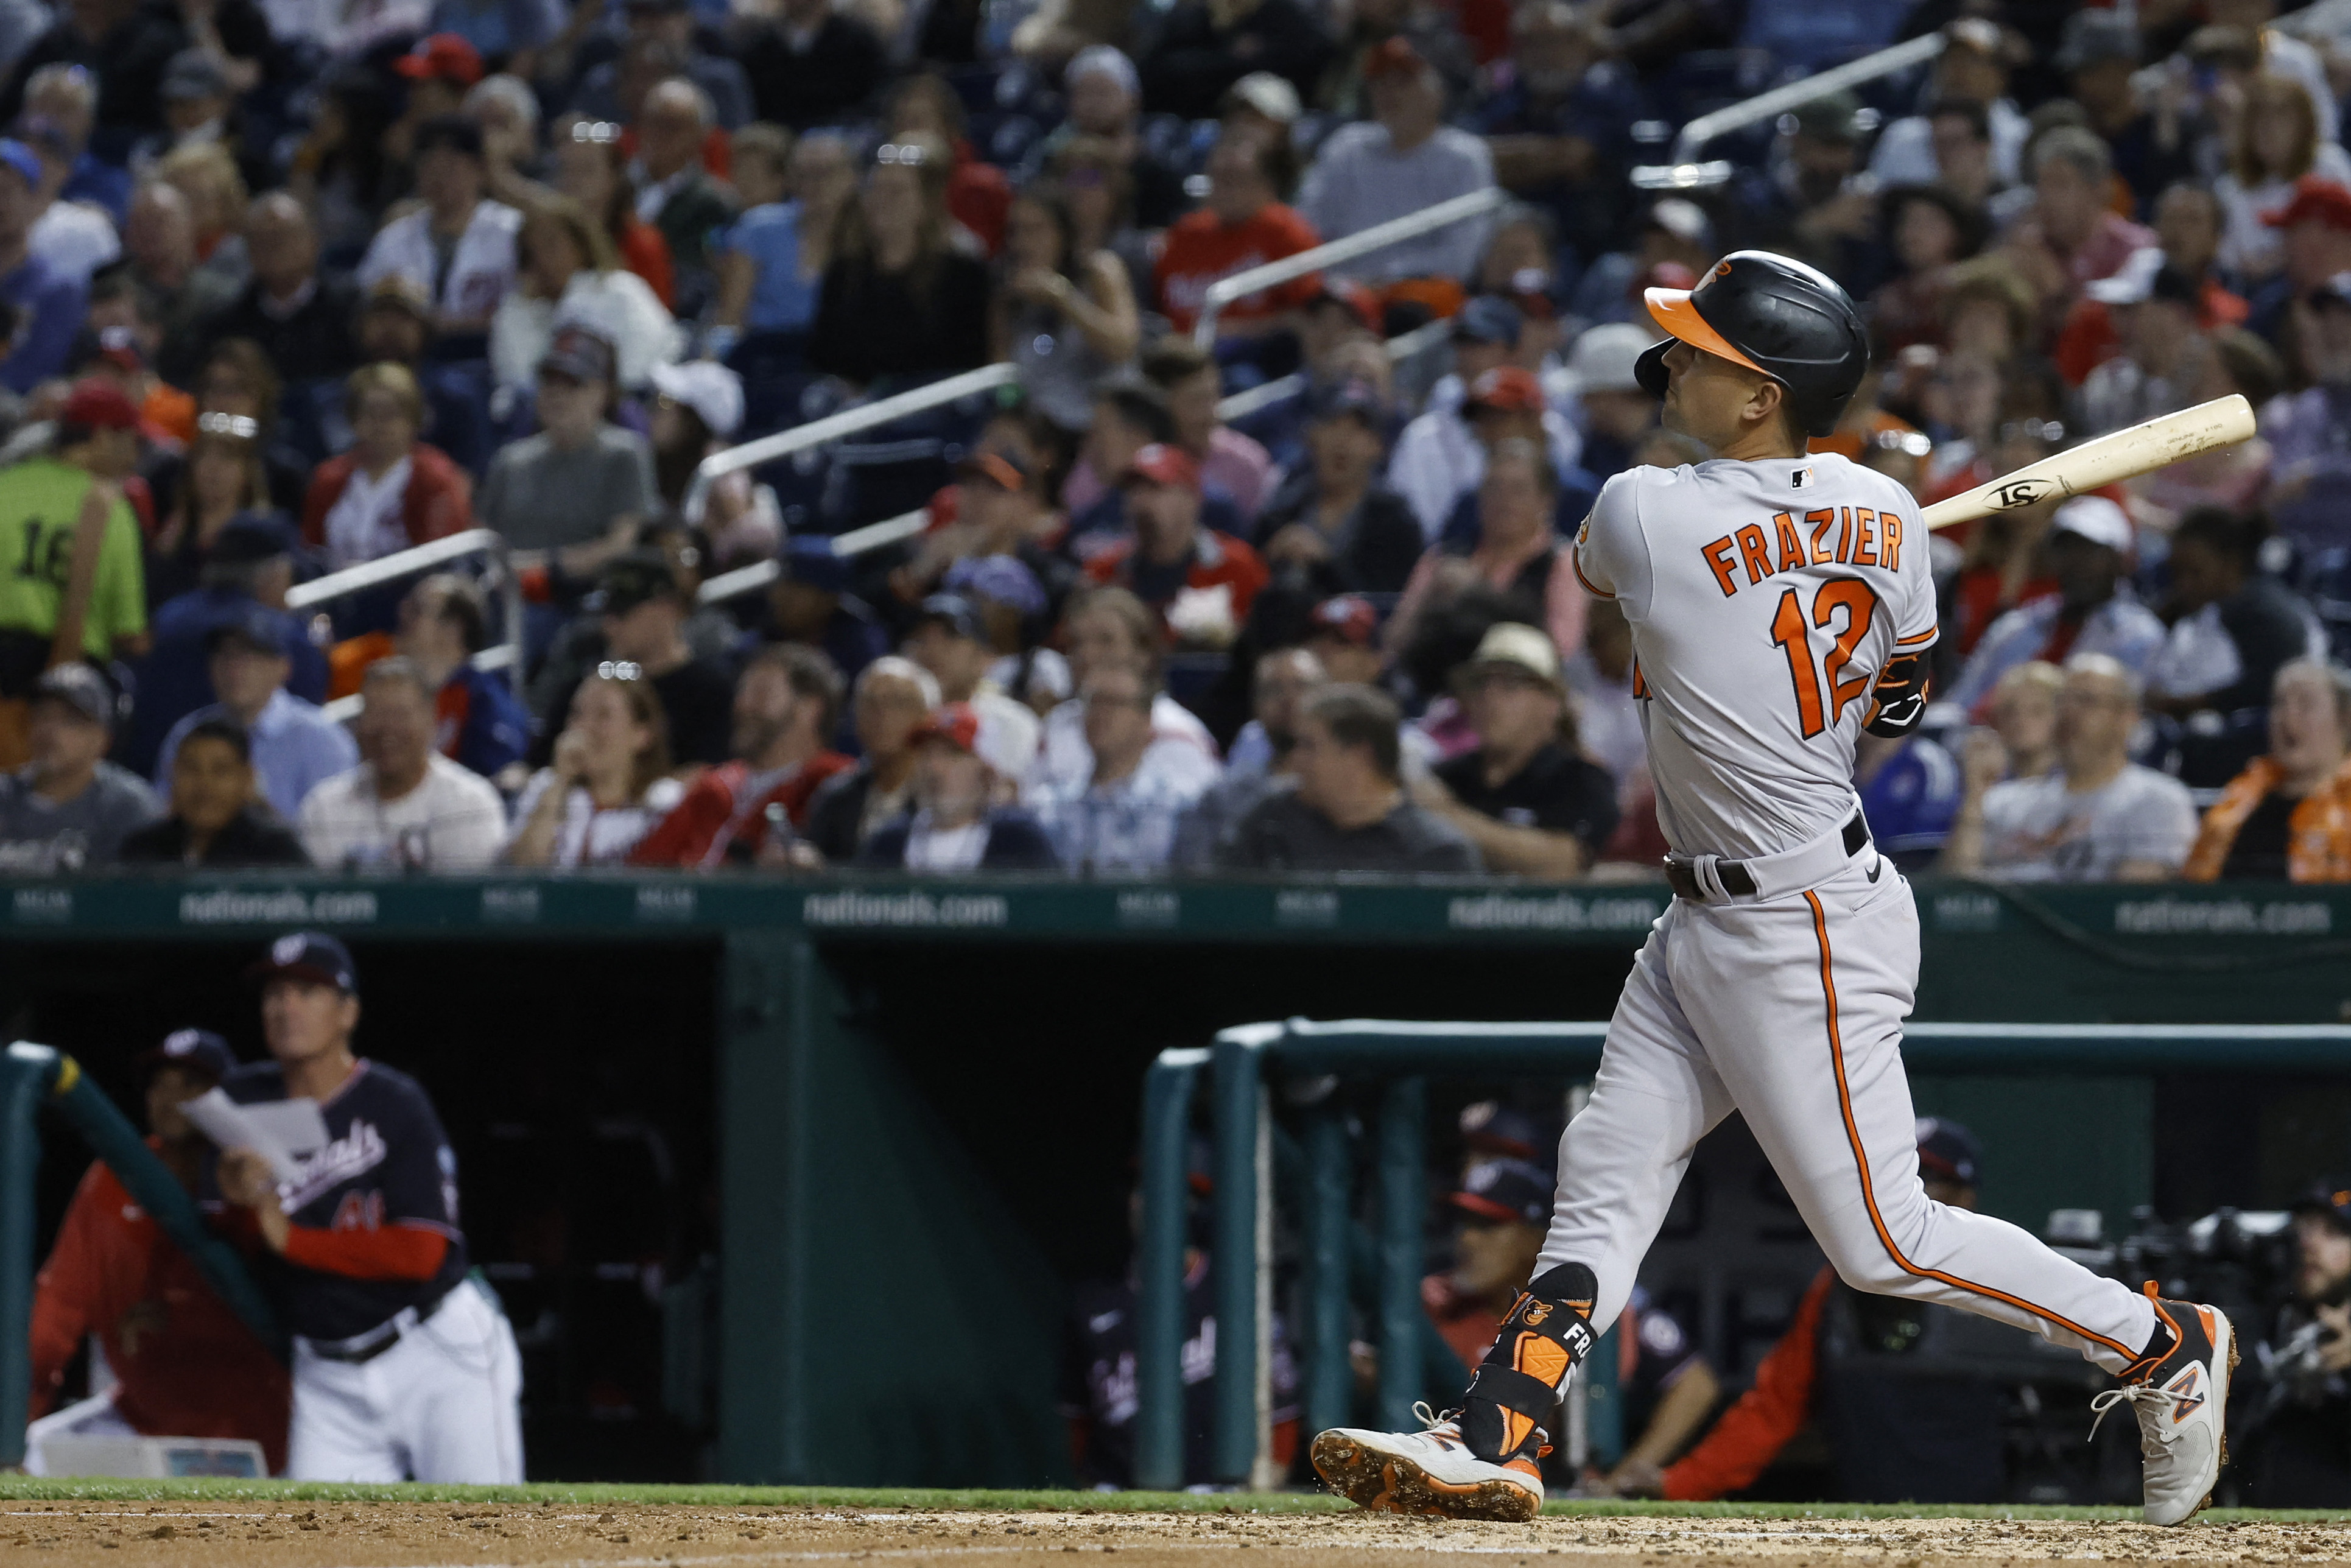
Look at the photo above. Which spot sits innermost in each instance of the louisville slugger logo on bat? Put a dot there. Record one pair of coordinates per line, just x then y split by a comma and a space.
2123, 453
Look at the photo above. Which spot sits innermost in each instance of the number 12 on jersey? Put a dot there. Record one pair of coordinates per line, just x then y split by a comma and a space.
1822, 690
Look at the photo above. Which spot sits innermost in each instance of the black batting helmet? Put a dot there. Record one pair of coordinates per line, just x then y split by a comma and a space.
1779, 318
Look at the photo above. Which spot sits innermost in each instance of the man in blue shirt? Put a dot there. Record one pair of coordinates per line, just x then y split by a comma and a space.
295, 744
49, 304
251, 562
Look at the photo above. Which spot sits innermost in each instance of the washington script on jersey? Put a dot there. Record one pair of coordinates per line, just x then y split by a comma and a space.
360, 1150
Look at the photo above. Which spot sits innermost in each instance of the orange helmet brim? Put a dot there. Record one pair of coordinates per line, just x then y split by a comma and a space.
1673, 310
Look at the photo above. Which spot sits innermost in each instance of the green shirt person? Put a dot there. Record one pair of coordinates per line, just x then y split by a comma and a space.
47, 587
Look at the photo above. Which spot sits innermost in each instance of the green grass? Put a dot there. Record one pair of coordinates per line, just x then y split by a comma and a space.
30, 1488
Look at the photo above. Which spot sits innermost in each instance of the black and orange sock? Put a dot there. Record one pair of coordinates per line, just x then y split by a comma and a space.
1546, 1333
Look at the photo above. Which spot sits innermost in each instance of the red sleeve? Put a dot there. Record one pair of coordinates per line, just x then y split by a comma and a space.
684, 837
440, 499
1298, 236
68, 1295
325, 483
1244, 571
392, 1252
1759, 1426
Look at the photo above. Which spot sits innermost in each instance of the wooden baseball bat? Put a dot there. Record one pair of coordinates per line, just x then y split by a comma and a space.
2138, 449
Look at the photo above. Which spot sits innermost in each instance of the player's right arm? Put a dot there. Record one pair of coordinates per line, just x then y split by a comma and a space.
1611, 554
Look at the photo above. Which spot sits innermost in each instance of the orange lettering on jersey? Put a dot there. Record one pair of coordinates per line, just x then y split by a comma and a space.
1718, 556
1756, 551
1822, 522
1845, 535
1792, 547
1640, 686
1889, 548
1864, 549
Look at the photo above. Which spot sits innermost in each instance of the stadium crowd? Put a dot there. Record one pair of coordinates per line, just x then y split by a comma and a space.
289, 288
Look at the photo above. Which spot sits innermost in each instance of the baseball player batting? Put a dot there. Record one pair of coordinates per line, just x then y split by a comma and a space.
1781, 604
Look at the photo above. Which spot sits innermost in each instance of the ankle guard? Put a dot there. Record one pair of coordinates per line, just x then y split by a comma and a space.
1547, 1333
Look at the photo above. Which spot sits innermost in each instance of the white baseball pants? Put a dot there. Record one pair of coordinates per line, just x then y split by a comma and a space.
443, 1403
1790, 1011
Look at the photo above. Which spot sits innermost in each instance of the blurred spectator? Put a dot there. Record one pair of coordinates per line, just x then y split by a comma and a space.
48, 300
923, 105
216, 819
1617, 414
59, 112
567, 274
2152, 144
2314, 248
1810, 200
1561, 131
2092, 609
159, 242
674, 192
438, 70
1526, 797
407, 807
1066, 319
2275, 146
1440, 456
608, 785
949, 639
74, 237
698, 408
477, 720
390, 491
1367, 25
252, 563
963, 818
302, 317
181, 1363
295, 745
1516, 551
395, 326
1259, 763
811, 603
2163, 357
1334, 523
1122, 819
643, 612
1200, 581
900, 300
2234, 477
891, 702
592, 168
2309, 431
2070, 235
2291, 1457
1202, 48
2100, 816
786, 708
1101, 182
2022, 742
222, 478
459, 245
764, 282
1229, 462
1910, 790
122, 44
811, 63
1405, 158
2287, 817
1243, 223
576, 491
2232, 626
1928, 230
69, 809
1103, 628
1971, 136
1674, 245
1343, 635
1349, 811
1102, 134
672, 25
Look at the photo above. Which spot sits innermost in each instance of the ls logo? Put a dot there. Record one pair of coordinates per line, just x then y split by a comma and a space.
2022, 493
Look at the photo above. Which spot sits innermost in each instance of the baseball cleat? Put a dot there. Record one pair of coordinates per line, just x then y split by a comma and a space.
1425, 1472
2183, 1405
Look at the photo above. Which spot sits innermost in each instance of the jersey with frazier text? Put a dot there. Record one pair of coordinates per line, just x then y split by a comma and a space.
386, 1162
1765, 598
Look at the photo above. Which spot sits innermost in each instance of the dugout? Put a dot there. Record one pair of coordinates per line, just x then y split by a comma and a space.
781, 1181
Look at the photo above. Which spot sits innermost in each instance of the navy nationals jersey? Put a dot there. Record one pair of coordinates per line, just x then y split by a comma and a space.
386, 1162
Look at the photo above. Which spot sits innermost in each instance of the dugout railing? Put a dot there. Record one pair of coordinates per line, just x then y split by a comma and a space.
1306, 1159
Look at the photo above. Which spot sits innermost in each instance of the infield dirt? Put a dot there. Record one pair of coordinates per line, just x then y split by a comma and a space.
405, 1535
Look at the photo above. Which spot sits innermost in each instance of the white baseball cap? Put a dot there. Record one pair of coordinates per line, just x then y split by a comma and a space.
707, 387
1521, 647
1604, 358
1270, 95
2098, 520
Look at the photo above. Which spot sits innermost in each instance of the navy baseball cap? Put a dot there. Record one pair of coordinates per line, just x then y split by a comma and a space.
1350, 400
308, 955
2330, 1196
954, 612
195, 1050
252, 536
256, 625
1949, 1150
1505, 1192
1488, 318
810, 558
1490, 1127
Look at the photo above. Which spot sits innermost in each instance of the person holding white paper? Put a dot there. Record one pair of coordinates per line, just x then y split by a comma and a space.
405, 1368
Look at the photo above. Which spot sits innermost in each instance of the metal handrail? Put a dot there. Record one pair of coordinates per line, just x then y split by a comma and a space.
1685, 172
505, 656
832, 427
1403, 346
1379, 236
390, 568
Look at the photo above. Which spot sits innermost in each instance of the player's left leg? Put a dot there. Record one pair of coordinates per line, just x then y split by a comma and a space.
1803, 1019
461, 1410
